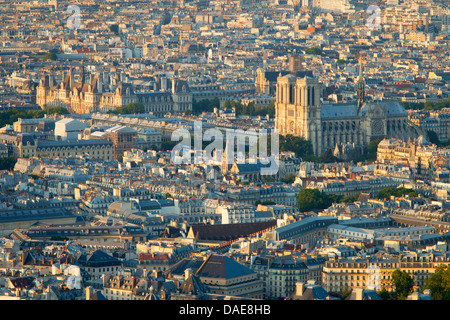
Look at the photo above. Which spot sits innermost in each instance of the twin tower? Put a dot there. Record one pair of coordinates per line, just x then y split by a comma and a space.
298, 108
342, 127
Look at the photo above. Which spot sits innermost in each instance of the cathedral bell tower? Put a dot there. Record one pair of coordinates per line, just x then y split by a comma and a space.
298, 109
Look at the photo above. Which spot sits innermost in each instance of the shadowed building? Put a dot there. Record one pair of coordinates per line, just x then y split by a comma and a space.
219, 275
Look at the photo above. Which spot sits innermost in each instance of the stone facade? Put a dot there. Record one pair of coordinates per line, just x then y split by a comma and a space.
300, 112
95, 95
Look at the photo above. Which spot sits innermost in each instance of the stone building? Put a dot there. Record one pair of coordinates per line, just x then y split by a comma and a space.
420, 154
97, 93
377, 273
27, 146
299, 111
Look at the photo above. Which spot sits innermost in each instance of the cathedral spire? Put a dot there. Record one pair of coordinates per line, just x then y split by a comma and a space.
360, 92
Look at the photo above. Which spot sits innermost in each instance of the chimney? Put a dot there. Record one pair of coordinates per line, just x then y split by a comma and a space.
299, 288
104, 280
89, 292
359, 292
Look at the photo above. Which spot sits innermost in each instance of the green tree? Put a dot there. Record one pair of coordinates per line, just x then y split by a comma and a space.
7, 163
384, 294
114, 28
433, 137
130, 108
350, 199
11, 116
313, 199
250, 109
168, 145
403, 284
265, 202
386, 193
313, 50
289, 179
439, 283
271, 108
346, 292
50, 56
56, 110
373, 147
430, 106
204, 105
298, 145
166, 18
327, 157
370, 153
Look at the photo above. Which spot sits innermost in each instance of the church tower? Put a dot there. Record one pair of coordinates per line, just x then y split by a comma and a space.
298, 109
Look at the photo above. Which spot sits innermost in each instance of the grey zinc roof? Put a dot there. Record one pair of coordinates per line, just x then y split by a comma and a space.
298, 224
273, 75
223, 267
330, 111
180, 267
98, 259
287, 264
315, 292
391, 108
34, 214
149, 205
394, 108
250, 167
81, 143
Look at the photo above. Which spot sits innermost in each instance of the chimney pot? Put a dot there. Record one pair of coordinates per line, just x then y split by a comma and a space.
299, 288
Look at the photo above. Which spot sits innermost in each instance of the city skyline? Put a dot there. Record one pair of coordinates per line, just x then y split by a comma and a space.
228, 150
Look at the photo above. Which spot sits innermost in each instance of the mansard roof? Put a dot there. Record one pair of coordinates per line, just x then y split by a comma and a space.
179, 85
72, 144
218, 266
98, 259
272, 76
122, 88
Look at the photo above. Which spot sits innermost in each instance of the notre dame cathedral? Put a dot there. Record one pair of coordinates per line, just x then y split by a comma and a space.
340, 128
